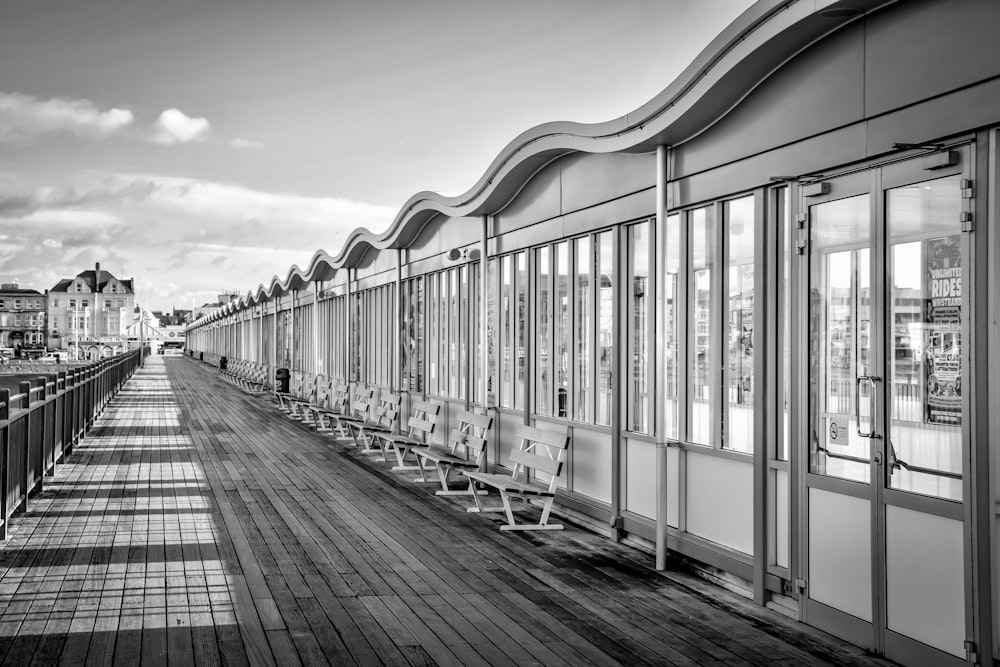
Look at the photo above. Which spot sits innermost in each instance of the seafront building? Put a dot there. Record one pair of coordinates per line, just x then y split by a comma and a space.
22, 319
765, 304
89, 314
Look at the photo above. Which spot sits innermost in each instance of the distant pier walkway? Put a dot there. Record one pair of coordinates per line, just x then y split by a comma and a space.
196, 525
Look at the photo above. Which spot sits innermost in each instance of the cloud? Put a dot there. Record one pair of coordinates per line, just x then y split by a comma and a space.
175, 127
245, 144
186, 236
24, 117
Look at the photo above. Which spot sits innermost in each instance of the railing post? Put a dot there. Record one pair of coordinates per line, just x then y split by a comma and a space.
61, 413
4, 457
25, 390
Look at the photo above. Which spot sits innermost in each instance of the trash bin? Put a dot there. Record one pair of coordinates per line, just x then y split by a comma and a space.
223, 363
281, 377
201, 356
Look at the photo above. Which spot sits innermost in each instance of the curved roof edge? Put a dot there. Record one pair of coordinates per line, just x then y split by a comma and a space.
739, 59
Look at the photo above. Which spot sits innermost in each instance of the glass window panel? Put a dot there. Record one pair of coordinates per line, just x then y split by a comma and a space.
606, 325
465, 331
454, 335
444, 297
508, 319
839, 320
542, 305
740, 380
491, 331
670, 334
419, 329
785, 318
704, 377
926, 406
521, 287
561, 338
583, 329
433, 333
638, 327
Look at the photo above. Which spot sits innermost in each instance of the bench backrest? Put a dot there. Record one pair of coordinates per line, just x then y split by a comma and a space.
295, 383
387, 410
322, 390
310, 384
421, 424
340, 393
361, 402
540, 450
469, 440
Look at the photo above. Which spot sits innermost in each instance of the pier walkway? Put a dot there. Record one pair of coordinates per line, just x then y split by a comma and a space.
196, 525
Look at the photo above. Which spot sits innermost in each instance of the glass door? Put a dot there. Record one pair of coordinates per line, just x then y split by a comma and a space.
886, 563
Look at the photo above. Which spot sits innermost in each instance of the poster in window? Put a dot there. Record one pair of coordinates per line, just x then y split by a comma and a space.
943, 314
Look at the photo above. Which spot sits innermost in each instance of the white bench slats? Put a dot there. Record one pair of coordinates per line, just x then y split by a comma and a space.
419, 429
465, 450
539, 450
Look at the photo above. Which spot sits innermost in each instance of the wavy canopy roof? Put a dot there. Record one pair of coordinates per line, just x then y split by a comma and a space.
736, 62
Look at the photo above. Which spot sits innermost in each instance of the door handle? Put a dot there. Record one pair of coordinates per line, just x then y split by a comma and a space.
871, 380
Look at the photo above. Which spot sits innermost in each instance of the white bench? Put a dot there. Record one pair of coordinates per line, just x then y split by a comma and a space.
540, 451
465, 450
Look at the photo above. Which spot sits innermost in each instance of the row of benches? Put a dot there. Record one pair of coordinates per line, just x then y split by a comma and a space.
329, 406
247, 375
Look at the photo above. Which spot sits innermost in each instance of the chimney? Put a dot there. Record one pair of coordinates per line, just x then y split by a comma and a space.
97, 275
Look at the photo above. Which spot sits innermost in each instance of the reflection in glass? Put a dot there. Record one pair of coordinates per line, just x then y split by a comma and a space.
782, 206
543, 388
583, 329
521, 287
454, 334
671, 318
703, 372
839, 337
508, 315
926, 405
561, 340
491, 331
740, 380
638, 327
606, 325
433, 332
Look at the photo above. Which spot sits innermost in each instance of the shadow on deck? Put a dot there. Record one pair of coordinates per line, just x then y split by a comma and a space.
197, 525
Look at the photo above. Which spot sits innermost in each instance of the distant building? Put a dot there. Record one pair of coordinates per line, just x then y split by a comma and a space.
22, 318
208, 308
89, 315
174, 318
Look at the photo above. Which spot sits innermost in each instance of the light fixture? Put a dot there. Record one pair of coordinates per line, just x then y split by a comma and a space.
470, 254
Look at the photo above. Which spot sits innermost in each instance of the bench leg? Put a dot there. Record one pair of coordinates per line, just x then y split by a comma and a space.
401, 464
479, 506
422, 467
443, 472
543, 523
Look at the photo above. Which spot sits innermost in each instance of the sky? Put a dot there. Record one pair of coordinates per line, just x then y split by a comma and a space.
205, 146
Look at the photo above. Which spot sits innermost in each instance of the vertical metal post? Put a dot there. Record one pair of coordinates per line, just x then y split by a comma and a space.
274, 347
4, 458
397, 337
25, 389
659, 392
315, 327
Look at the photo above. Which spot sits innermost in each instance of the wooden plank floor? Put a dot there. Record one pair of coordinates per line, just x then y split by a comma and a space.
198, 525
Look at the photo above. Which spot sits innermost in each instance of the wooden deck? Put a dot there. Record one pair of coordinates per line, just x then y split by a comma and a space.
198, 525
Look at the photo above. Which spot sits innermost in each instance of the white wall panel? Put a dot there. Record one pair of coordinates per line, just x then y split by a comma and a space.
639, 471
924, 578
840, 552
591, 452
720, 500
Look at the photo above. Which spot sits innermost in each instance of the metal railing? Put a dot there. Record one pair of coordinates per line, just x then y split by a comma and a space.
43, 415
